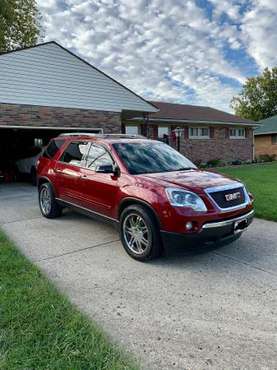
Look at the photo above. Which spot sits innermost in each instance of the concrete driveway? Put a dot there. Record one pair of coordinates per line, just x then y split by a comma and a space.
194, 310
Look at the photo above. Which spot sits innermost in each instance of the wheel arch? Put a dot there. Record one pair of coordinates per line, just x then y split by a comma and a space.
126, 202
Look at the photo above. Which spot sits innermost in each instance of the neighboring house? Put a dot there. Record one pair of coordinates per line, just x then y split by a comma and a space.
266, 137
206, 133
46, 89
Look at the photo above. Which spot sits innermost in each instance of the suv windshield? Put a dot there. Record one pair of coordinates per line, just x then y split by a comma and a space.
151, 157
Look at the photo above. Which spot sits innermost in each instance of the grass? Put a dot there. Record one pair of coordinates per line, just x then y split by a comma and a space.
261, 180
39, 327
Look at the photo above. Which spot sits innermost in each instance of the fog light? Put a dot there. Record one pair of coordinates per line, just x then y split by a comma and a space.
189, 225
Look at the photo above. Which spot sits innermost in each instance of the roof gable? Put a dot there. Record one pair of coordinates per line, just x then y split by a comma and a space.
50, 75
193, 113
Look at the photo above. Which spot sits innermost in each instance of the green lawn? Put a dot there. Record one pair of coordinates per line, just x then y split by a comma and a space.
40, 329
261, 180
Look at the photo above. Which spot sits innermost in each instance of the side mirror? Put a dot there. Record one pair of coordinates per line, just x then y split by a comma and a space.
108, 168
105, 168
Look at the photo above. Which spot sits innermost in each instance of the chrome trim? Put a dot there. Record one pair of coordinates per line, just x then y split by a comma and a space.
235, 185
210, 225
86, 209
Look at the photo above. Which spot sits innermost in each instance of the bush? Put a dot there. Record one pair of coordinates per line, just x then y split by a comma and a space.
267, 157
214, 163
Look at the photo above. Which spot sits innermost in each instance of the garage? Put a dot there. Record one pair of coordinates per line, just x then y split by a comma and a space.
46, 90
21, 147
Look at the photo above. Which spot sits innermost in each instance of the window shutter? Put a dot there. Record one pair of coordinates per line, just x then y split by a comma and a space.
246, 132
186, 132
227, 133
155, 132
211, 132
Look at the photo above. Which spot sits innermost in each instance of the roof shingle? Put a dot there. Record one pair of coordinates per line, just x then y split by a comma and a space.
268, 126
194, 113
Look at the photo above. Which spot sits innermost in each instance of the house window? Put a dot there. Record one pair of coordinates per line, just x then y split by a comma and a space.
274, 139
199, 133
131, 130
237, 133
162, 132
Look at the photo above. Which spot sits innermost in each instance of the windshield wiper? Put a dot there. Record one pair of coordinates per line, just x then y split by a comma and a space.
185, 169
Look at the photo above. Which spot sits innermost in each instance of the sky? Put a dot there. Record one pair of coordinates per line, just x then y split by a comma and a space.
184, 51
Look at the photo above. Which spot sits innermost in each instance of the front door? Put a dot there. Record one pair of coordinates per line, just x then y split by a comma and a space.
99, 190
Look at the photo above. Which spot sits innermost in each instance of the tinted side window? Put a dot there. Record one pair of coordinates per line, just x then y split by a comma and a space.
52, 148
98, 156
74, 153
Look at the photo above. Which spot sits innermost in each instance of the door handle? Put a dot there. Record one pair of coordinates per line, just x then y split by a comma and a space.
83, 176
56, 170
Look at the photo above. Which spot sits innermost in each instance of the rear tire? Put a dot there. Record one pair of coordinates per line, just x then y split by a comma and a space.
139, 233
47, 202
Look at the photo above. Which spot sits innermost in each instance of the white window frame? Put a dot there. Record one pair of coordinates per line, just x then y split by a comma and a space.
163, 130
199, 133
132, 127
236, 131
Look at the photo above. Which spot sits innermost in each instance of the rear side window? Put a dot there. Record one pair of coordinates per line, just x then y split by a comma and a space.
52, 148
75, 153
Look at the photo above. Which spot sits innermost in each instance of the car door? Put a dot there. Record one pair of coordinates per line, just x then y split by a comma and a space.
99, 189
68, 171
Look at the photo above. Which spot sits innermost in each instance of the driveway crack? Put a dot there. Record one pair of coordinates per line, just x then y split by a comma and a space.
242, 262
77, 251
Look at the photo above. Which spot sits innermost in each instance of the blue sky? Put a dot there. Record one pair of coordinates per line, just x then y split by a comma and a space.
187, 51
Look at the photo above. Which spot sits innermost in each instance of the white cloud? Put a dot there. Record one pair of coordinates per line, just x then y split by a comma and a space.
259, 31
168, 50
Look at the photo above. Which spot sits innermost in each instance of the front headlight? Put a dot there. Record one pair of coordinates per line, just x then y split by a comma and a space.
183, 198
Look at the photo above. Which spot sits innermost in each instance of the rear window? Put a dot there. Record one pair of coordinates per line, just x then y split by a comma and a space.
52, 148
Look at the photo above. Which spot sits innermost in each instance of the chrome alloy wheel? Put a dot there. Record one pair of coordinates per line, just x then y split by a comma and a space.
136, 234
45, 201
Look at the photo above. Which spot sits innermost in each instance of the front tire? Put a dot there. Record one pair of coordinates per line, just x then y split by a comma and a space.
47, 202
139, 233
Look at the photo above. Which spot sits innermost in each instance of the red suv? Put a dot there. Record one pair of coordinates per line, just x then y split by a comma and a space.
154, 194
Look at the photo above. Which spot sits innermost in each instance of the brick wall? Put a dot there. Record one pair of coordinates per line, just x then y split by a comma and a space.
264, 145
219, 146
30, 115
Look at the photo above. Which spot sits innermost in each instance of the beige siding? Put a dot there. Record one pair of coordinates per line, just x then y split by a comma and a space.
263, 145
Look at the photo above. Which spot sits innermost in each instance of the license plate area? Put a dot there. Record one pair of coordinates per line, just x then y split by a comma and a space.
240, 226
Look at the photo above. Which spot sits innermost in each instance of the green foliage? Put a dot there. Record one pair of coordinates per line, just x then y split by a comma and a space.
261, 180
19, 24
40, 329
267, 158
258, 99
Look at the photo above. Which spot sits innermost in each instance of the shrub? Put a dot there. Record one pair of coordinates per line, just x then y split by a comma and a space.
267, 157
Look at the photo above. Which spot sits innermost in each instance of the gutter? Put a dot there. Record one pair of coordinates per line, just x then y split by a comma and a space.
197, 121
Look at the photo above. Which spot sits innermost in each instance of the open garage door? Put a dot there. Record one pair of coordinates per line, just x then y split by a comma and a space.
20, 148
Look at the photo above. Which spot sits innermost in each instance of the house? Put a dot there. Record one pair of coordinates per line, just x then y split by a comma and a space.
266, 137
205, 133
46, 90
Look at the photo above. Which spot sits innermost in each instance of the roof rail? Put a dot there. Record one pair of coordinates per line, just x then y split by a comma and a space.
78, 134
119, 136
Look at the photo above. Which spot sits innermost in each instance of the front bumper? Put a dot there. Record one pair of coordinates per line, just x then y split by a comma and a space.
224, 230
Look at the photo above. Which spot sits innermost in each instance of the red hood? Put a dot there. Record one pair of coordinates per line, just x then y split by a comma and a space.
191, 179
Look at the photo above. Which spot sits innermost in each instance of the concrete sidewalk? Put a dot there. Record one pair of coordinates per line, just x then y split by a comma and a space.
194, 310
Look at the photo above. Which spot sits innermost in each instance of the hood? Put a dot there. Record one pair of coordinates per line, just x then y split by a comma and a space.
191, 179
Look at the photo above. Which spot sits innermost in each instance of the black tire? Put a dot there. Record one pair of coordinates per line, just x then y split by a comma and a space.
53, 210
154, 248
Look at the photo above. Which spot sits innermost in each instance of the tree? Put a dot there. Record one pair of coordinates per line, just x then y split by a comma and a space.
258, 99
19, 24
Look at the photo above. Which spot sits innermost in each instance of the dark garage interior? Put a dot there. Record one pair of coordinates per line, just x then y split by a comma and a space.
20, 148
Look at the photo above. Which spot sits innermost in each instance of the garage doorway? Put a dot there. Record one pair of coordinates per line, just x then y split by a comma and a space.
20, 148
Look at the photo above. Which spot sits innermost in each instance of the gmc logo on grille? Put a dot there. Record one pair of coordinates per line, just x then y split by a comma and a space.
232, 196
